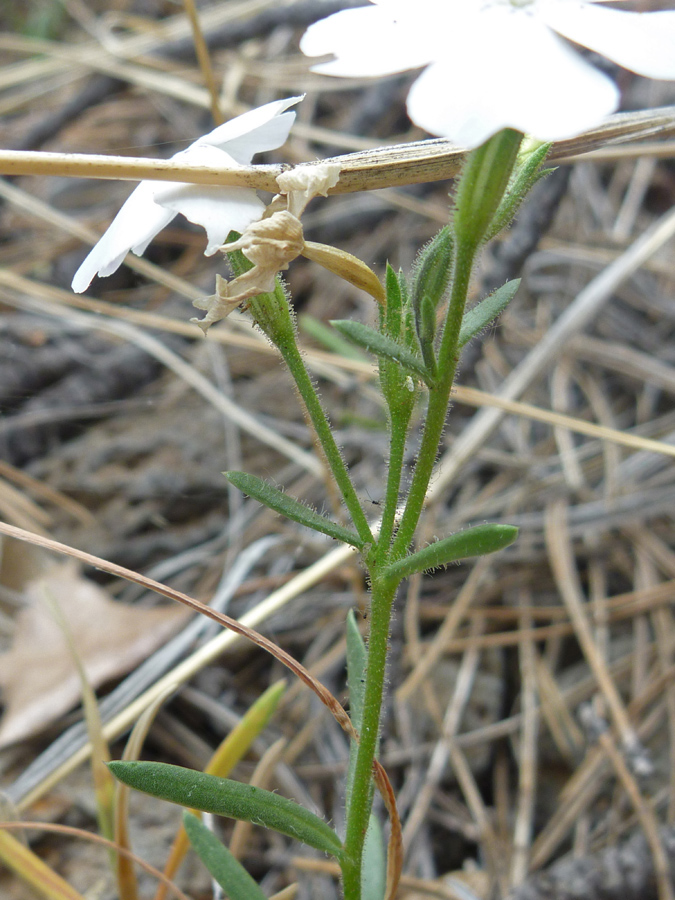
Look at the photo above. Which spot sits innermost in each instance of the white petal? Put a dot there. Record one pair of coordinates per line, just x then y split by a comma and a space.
134, 226
522, 76
198, 154
641, 42
256, 131
365, 41
217, 209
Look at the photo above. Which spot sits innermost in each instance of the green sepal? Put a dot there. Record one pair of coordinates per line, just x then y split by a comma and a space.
224, 797
381, 345
396, 323
238, 262
481, 188
426, 332
391, 318
265, 493
477, 541
526, 174
222, 865
433, 269
486, 311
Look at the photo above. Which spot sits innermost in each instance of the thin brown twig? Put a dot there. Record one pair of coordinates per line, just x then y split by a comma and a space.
329, 701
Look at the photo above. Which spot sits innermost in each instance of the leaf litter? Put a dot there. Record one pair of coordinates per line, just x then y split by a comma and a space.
38, 676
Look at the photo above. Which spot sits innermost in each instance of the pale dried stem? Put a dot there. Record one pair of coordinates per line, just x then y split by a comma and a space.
413, 163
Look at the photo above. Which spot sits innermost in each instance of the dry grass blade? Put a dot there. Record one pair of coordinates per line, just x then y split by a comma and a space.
46, 493
439, 645
83, 835
126, 875
395, 844
524, 816
33, 871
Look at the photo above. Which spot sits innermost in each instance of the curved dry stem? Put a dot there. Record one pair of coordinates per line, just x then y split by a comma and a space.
331, 703
97, 839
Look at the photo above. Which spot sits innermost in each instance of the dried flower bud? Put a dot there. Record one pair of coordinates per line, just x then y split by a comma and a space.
270, 244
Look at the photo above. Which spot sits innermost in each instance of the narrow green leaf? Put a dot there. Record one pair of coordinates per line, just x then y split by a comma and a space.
477, 541
263, 492
487, 311
381, 345
224, 868
484, 181
394, 301
374, 878
426, 332
224, 797
356, 683
356, 669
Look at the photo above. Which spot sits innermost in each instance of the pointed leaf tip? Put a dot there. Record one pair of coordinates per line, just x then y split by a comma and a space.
477, 541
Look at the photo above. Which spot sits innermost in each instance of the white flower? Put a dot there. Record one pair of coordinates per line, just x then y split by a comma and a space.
492, 64
219, 210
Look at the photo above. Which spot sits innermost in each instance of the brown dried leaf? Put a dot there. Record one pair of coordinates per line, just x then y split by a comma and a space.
38, 677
